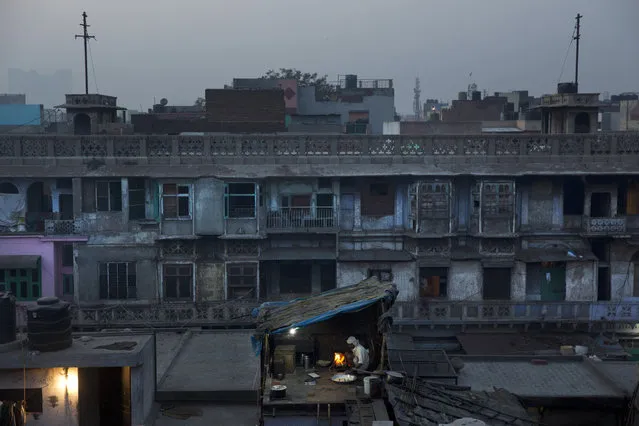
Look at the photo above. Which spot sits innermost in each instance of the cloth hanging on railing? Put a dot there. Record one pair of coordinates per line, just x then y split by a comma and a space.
12, 413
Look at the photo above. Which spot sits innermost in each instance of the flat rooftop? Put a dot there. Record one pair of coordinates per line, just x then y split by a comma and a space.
558, 377
87, 350
213, 366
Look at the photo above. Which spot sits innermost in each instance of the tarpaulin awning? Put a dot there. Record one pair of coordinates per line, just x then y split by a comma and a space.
22, 261
279, 317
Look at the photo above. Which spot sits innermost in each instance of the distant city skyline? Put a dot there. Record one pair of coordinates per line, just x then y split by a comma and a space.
205, 44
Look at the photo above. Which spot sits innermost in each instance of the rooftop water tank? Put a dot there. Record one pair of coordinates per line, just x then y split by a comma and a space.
7, 318
566, 88
350, 81
476, 95
462, 96
49, 325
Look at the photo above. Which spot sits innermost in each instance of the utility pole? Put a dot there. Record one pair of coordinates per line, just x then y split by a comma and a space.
86, 38
577, 37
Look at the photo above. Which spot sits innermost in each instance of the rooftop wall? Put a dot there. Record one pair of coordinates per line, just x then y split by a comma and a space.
259, 156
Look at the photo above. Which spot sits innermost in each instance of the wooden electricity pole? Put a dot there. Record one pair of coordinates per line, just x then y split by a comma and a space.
86, 38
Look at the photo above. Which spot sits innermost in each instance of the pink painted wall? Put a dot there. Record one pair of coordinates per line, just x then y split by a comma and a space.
24, 245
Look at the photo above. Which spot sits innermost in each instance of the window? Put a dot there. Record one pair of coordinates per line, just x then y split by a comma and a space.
433, 282
178, 281
137, 204
499, 199
118, 280
108, 196
378, 199
24, 284
67, 284
176, 201
381, 274
241, 279
67, 255
434, 200
8, 188
496, 284
239, 200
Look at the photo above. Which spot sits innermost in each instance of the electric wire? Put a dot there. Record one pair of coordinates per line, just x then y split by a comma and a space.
95, 79
572, 39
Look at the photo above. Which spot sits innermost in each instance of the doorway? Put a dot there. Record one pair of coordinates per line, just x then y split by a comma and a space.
600, 204
582, 123
81, 124
496, 284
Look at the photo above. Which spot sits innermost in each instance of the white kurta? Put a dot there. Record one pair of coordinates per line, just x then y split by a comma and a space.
361, 355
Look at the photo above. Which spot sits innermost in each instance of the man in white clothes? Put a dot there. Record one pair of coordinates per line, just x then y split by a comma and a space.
360, 353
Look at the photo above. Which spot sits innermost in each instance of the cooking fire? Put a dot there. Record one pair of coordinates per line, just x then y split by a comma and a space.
339, 359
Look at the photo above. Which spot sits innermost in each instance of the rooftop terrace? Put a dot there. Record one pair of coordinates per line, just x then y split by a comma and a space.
224, 155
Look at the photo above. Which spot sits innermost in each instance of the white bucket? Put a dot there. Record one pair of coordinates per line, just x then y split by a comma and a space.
371, 383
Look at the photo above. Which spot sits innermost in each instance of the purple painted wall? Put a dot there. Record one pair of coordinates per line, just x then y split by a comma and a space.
33, 245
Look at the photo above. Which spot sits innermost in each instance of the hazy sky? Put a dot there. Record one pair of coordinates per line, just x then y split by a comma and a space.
176, 49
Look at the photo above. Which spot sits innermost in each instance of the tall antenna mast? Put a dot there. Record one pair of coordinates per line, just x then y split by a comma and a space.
86, 38
577, 37
417, 103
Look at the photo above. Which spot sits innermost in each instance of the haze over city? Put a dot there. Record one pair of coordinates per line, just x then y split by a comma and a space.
148, 49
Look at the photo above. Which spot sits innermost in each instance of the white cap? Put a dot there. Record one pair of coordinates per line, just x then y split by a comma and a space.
352, 340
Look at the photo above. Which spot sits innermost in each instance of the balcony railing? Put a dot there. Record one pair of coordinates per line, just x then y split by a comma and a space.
605, 225
301, 218
36, 149
63, 227
460, 312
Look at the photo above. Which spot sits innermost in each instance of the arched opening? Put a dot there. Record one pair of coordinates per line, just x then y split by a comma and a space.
39, 206
82, 124
8, 188
582, 123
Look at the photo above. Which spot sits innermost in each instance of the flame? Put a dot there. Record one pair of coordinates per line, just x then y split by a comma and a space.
339, 360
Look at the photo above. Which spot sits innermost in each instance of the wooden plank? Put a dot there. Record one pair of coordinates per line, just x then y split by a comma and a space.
379, 409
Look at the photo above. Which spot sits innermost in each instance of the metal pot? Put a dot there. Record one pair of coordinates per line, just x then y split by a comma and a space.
394, 377
278, 391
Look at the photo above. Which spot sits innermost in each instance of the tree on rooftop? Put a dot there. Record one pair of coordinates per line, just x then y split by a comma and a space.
323, 88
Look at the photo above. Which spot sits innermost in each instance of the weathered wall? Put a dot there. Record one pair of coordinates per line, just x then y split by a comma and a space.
209, 282
622, 271
518, 281
580, 281
34, 245
88, 286
380, 108
349, 273
465, 280
59, 393
143, 381
540, 204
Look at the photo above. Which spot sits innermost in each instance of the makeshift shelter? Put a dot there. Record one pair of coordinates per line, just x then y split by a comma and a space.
314, 331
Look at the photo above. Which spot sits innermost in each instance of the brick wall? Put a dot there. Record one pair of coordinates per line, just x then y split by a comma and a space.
226, 105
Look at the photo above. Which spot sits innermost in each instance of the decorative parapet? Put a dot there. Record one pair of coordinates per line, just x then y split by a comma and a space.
287, 155
605, 225
571, 99
63, 227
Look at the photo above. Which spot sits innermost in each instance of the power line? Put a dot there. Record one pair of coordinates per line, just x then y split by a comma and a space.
95, 78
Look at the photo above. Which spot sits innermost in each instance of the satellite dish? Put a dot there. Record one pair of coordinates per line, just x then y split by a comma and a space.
163, 101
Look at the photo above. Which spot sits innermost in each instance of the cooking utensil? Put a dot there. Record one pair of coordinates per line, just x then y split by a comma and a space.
278, 391
323, 363
394, 377
344, 378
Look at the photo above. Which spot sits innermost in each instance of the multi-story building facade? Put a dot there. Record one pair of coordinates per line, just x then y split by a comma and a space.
470, 228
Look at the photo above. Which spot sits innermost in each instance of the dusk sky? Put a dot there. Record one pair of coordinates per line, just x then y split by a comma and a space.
161, 48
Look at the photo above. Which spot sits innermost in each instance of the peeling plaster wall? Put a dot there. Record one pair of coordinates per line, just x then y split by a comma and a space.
350, 273
59, 394
465, 280
518, 281
209, 282
540, 204
580, 281
622, 271
89, 256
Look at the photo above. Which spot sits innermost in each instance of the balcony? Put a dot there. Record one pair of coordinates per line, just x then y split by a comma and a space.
260, 156
64, 227
302, 219
605, 225
512, 312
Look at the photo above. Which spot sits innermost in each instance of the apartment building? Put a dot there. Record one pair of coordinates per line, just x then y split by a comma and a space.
512, 221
